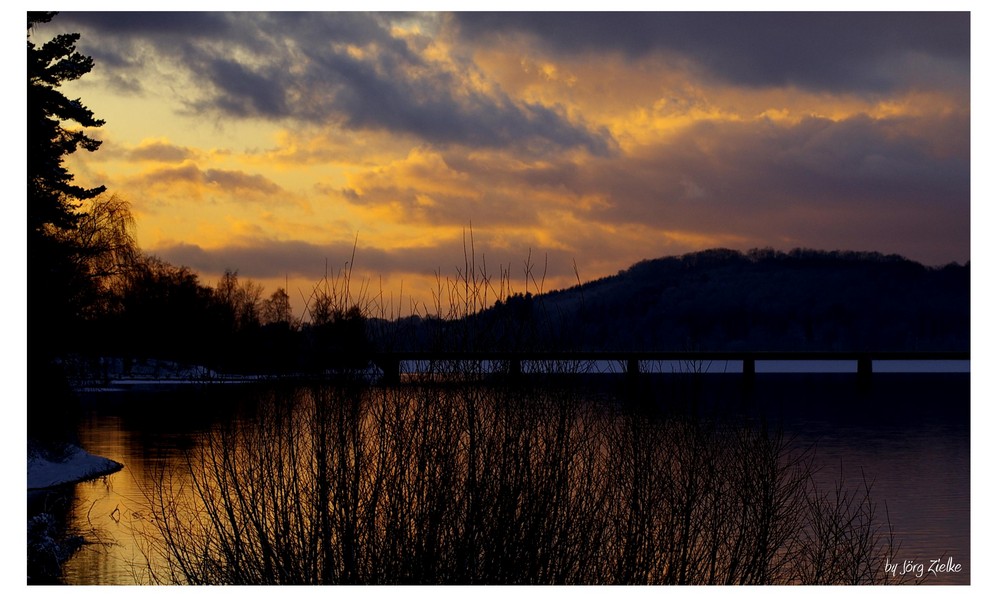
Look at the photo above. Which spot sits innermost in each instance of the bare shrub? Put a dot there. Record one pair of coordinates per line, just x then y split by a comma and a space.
501, 484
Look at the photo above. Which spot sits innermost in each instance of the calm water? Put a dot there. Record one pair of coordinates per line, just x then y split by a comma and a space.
908, 434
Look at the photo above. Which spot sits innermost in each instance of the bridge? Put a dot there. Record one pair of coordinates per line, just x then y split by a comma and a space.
632, 361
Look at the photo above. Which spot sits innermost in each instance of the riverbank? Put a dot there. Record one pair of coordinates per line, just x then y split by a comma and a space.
73, 465
48, 545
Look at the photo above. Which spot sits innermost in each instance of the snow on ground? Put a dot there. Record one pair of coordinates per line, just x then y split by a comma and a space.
78, 465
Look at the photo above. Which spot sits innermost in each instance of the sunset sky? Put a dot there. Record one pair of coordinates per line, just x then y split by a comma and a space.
269, 142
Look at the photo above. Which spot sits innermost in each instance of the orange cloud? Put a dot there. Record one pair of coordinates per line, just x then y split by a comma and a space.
160, 150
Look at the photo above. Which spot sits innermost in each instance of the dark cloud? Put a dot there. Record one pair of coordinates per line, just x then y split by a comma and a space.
232, 182
243, 92
148, 23
264, 260
345, 68
236, 181
838, 51
170, 175
433, 105
275, 259
861, 180
125, 85
160, 151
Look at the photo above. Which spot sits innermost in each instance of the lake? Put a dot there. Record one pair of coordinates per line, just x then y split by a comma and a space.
906, 434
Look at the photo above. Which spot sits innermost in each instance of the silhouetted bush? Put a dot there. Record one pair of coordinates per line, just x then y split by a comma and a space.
502, 484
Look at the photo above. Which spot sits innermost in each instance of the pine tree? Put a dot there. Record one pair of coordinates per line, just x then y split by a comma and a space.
58, 284
52, 196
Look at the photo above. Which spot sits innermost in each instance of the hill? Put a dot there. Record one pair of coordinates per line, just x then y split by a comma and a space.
723, 299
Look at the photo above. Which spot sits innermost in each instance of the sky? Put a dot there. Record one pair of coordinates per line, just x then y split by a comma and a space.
566, 145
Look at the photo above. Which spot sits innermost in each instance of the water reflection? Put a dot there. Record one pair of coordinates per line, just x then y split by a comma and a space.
920, 467
144, 431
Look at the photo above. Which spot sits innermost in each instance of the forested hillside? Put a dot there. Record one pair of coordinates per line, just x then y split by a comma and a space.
758, 300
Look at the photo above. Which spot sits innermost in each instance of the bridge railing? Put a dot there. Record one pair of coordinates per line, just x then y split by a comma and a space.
390, 362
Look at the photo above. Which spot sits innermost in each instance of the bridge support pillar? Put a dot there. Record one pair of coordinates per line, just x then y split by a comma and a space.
632, 367
514, 367
390, 371
749, 371
864, 372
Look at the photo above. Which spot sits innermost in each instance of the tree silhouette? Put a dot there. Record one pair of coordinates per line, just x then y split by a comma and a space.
106, 251
52, 196
167, 313
59, 284
242, 300
277, 310
54, 274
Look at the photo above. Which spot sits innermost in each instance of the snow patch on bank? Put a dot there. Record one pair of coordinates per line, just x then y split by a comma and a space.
78, 465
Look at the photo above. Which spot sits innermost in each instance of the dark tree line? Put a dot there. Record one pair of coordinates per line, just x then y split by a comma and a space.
165, 312
91, 291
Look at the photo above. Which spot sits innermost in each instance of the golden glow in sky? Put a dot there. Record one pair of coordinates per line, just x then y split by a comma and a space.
270, 142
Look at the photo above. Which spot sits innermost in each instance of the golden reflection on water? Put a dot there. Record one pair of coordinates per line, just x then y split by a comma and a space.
112, 513
113, 516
